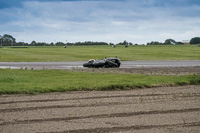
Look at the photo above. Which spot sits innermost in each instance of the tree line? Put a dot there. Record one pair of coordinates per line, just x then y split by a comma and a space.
167, 42
195, 40
9, 40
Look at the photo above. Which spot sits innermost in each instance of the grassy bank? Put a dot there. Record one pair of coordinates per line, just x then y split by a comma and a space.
83, 53
40, 81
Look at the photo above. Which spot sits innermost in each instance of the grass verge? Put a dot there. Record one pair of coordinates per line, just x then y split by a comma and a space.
84, 53
41, 81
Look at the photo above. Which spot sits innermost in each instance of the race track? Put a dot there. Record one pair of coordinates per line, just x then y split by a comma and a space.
79, 64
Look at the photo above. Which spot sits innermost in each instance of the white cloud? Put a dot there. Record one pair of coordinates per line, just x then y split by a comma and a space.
109, 21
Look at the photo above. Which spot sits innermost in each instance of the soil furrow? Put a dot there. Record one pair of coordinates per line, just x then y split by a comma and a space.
101, 116
59, 106
102, 97
127, 128
140, 100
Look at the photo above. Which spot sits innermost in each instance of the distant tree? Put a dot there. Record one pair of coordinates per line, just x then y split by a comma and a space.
51, 44
0, 41
195, 40
130, 43
33, 43
60, 44
123, 43
8, 39
170, 41
88, 43
20, 44
154, 43
179, 43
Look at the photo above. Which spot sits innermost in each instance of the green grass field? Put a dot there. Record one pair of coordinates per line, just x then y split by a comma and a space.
83, 53
40, 81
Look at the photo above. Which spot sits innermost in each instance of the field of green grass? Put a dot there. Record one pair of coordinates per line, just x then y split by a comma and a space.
40, 81
83, 53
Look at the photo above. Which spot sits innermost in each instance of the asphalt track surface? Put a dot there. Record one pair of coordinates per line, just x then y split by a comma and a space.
79, 64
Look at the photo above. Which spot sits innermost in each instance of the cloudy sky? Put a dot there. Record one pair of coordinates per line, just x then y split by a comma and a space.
137, 21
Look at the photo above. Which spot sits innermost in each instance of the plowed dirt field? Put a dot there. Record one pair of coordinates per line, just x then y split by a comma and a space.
162, 109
